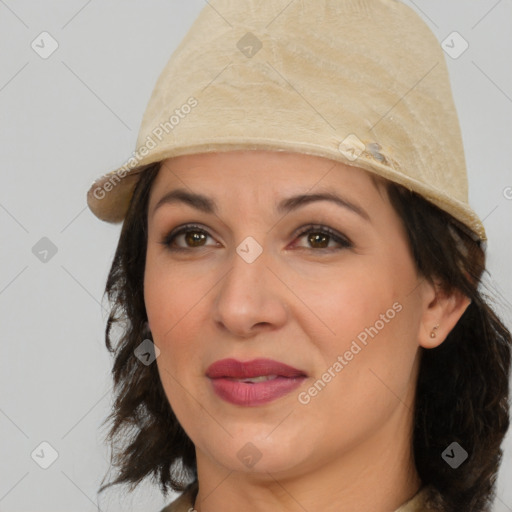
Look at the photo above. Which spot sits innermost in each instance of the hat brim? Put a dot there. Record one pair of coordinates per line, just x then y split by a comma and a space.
109, 196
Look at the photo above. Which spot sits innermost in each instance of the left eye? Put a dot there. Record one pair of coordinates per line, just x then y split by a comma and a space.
194, 237
319, 234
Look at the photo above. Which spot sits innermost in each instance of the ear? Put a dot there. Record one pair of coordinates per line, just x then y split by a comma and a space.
442, 310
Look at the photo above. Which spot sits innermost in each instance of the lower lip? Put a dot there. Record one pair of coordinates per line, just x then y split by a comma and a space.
258, 393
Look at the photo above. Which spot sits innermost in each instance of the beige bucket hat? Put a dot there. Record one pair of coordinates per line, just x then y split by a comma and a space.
362, 82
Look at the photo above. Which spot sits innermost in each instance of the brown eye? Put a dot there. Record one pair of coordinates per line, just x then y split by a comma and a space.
320, 236
193, 236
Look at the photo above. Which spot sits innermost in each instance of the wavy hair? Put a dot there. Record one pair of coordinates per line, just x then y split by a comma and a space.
462, 392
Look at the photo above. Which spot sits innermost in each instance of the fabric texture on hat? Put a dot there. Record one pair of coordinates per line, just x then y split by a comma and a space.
361, 82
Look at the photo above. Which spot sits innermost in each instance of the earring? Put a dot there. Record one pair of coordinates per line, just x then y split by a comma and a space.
433, 333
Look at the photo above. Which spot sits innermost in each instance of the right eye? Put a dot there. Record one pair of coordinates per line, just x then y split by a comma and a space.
193, 236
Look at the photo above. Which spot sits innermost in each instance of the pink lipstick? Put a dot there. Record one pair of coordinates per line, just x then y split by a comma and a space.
254, 382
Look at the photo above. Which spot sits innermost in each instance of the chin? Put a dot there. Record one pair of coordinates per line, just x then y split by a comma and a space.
255, 452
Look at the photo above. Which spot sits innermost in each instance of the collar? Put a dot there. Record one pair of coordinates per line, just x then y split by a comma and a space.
185, 502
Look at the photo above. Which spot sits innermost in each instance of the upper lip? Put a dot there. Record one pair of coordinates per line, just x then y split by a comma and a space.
233, 368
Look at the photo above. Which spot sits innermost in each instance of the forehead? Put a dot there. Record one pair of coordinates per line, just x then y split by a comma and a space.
258, 171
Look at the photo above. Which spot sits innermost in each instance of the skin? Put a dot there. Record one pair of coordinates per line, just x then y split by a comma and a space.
349, 448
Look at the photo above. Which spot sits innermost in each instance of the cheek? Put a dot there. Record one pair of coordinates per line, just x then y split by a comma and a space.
350, 301
375, 326
173, 306
168, 302
178, 300
370, 318
169, 292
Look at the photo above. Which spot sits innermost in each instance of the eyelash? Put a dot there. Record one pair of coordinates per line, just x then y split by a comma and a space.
313, 228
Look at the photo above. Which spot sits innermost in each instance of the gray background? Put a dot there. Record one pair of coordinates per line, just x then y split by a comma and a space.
65, 120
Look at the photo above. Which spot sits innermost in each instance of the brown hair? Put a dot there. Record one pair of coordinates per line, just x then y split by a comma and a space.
462, 389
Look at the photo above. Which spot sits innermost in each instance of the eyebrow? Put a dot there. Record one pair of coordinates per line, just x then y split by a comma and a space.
207, 205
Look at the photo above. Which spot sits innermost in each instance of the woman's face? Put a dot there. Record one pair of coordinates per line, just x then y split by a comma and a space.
326, 287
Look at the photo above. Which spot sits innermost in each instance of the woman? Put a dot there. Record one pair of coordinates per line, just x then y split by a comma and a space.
297, 273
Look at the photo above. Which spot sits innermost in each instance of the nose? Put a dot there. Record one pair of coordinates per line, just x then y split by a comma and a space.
250, 298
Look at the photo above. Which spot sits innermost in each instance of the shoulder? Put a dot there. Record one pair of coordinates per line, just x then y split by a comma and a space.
184, 502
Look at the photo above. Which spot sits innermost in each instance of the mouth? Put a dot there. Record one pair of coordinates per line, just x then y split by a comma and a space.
254, 382
263, 369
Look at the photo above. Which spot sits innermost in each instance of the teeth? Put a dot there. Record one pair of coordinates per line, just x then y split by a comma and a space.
262, 378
